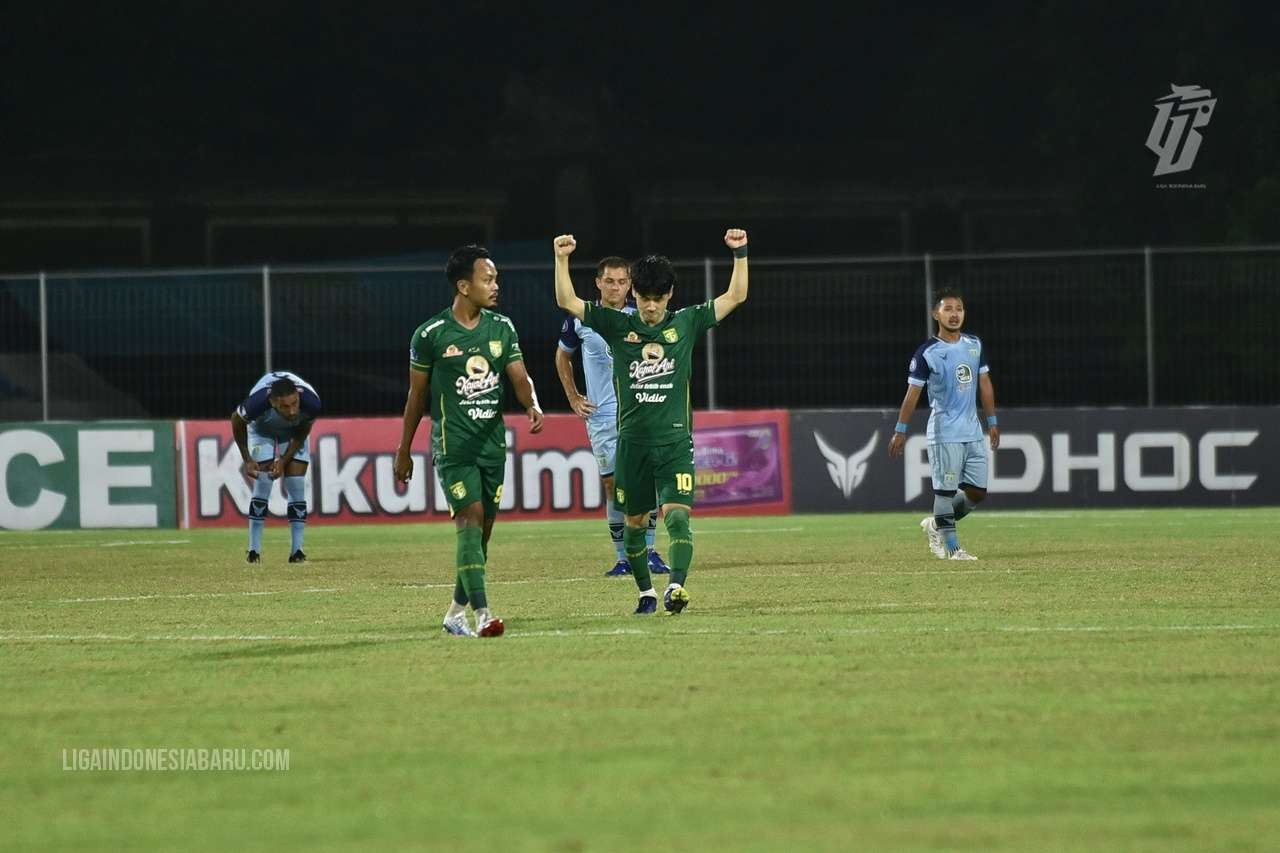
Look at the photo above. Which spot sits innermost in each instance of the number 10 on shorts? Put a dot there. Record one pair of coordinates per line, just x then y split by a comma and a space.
684, 483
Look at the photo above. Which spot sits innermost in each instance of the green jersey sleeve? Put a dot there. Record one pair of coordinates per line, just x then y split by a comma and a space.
608, 322
513, 344
700, 318
420, 347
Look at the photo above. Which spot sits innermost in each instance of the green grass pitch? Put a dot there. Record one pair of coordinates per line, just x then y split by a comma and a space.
1097, 681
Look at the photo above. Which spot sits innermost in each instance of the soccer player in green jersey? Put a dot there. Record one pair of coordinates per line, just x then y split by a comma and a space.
458, 357
652, 358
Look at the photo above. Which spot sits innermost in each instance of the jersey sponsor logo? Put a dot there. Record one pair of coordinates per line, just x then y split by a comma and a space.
652, 364
973, 351
670, 336
964, 373
645, 397
495, 349
479, 379
632, 338
450, 351
846, 472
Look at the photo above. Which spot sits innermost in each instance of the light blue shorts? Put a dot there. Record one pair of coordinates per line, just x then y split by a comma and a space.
603, 436
954, 464
263, 447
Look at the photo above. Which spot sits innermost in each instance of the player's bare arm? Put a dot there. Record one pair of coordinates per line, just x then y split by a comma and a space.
566, 297
415, 406
522, 385
899, 439
582, 407
240, 432
725, 303
987, 396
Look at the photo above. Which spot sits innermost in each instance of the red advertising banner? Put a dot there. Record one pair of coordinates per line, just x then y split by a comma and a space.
743, 467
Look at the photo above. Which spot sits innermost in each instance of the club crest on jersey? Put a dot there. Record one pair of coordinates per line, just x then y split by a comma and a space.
495, 349
632, 338
458, 490
450, 351
670, 336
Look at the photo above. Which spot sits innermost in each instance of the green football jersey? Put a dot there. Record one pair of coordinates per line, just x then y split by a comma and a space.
651, 366
467, 393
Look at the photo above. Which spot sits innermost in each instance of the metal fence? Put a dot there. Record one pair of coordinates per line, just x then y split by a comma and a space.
1172, 326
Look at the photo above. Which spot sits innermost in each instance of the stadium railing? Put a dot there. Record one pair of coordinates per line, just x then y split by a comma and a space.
1133, 327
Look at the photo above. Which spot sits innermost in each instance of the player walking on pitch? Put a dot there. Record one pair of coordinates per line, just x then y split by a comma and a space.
459, 356
277, 416
953, 366
599, 406
652, 359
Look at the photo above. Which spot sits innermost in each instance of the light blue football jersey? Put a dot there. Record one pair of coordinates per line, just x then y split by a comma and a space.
949, 372
597, 366
257, 411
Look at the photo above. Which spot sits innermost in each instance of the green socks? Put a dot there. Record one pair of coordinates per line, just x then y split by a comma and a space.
680, 549
633, 539
471, 567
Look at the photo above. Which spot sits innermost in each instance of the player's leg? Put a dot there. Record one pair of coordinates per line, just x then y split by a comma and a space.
491, 480
633, 490
973, 479
262, 450
461, 484
674, 478
295, 489
946, 463
604, 446
657, 565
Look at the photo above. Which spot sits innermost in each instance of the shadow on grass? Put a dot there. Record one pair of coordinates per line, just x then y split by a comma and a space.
280, 650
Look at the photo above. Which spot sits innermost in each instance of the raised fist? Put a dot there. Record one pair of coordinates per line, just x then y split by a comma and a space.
565, 244
734, 238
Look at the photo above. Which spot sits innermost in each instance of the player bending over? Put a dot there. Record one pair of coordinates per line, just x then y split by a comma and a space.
277, 416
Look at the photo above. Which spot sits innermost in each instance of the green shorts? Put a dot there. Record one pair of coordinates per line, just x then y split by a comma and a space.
478, 481
645, 477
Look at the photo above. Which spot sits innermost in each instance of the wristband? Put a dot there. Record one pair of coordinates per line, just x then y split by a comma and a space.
740, 252
900, 427
991, 420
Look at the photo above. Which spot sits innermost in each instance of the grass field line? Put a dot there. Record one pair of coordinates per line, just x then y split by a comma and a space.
736, 576
120, 544
198, 595
613, 632
735, 531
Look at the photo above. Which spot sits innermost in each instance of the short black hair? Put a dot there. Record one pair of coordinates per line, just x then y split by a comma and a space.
282, 387
652, 276
612, 262
462, 263
947, 293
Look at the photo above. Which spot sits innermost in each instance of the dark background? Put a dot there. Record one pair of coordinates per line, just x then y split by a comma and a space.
200, 134
863, 129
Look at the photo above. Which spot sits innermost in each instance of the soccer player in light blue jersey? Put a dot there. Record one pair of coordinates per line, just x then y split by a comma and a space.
953, 366
272, 428
599, 406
